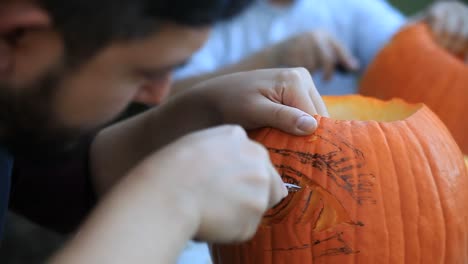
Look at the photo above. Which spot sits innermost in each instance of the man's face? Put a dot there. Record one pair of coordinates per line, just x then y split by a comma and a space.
42, 101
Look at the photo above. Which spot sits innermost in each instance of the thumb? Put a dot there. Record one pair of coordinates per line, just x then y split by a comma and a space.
285, 118
277, 189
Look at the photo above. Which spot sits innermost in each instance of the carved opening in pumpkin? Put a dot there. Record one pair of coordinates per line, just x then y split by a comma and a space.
366, 109
316, 206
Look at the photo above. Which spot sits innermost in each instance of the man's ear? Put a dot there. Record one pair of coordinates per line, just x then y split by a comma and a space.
17, 18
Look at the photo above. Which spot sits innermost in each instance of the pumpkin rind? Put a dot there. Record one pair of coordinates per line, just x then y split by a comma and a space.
372, 192
415, 68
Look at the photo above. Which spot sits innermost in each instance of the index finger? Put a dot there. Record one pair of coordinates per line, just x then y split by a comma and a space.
314, 95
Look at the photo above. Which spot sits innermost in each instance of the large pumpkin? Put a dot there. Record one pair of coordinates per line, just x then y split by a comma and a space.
389, 191
415, 68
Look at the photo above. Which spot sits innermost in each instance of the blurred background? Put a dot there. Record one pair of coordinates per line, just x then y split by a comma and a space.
412, 6
27, 243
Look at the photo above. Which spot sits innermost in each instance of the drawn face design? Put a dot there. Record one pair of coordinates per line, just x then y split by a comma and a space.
315, 210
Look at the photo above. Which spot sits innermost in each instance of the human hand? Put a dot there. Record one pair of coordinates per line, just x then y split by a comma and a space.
225, 180
282, 98
449, 23
314, 50
214, 185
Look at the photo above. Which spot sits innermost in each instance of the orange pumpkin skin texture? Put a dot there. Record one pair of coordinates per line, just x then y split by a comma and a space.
372, 192
413, 67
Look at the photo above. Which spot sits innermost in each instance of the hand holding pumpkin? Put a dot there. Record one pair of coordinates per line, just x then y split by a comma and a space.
314, 50
449, 23
282, 98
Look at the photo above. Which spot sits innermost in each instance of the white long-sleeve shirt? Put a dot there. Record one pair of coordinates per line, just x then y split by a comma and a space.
363, 26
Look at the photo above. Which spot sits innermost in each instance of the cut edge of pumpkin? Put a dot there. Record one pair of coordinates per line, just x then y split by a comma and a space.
363, 108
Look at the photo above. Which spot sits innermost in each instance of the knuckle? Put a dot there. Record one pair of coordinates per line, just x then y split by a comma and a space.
291, 78
290, 75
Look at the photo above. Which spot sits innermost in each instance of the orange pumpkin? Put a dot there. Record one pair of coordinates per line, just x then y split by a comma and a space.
415, 68
388, 191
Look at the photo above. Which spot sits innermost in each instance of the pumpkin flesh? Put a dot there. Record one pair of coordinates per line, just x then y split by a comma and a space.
389, 189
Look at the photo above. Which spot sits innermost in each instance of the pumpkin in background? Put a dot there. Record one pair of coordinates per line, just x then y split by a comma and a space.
415, 68
388, 191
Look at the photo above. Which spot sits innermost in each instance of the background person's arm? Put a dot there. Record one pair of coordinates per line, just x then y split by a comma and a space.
260, 60
312, 50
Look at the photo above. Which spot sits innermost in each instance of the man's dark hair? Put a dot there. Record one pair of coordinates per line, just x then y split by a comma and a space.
88, 25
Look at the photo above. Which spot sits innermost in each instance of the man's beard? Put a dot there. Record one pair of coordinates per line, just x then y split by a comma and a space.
28, 124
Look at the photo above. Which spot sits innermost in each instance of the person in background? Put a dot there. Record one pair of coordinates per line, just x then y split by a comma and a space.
334, 39
136, 191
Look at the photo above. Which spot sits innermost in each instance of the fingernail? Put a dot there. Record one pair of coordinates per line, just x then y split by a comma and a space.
306, 123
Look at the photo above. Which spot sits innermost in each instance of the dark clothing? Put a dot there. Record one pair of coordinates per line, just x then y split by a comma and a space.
55, 193
6, 163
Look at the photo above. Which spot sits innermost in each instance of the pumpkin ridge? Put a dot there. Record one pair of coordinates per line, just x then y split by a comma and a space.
423, 147
410, 136
380, 127
355, 215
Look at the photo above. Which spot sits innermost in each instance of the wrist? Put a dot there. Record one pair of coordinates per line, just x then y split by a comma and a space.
183, 113
207, 100
172, 203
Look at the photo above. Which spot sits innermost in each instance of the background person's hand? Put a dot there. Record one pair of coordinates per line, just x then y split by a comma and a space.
314, 50
449, 23
282, 98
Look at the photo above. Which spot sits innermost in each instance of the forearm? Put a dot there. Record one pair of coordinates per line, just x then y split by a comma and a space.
132, 226
118, 148
259, 60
